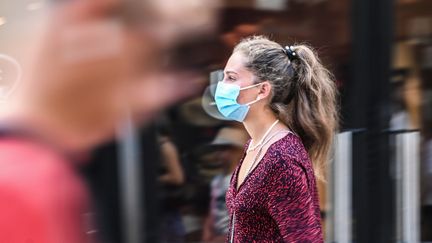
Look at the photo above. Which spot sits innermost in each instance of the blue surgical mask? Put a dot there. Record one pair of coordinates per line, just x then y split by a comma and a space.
226, 101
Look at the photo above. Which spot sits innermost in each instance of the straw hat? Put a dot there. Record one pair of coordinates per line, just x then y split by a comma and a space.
226, 137
230, 136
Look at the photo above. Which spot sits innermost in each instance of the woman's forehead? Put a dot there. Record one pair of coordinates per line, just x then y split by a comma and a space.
236, 64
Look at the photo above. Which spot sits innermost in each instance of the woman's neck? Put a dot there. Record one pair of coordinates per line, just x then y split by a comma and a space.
256, 124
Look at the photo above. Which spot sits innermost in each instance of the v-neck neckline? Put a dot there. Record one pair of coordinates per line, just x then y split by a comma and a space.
237, 172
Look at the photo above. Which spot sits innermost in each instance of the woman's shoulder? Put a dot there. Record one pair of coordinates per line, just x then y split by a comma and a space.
290, 147
288, 153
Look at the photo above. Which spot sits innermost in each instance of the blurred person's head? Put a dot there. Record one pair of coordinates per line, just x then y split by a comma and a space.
90, 70
229, 157
228, 146
170, 21
240, 31
289, 83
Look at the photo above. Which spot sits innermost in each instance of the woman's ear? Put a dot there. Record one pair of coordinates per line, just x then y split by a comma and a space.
265, 90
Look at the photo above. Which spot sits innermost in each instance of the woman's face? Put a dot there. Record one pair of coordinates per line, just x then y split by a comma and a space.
236, 73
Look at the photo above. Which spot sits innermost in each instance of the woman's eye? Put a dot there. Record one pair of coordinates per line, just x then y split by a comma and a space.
231, 78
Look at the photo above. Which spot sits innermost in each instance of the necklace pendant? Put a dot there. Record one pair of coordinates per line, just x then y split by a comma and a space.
259, 144
253, 148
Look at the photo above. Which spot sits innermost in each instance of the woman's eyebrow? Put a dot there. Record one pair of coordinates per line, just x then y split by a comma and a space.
231, 72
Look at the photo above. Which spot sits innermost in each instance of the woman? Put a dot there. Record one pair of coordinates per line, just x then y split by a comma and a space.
286, 101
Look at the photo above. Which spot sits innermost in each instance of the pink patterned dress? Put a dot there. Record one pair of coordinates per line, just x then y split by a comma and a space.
278, 200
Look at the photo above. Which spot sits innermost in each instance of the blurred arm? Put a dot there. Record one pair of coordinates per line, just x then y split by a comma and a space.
174, 173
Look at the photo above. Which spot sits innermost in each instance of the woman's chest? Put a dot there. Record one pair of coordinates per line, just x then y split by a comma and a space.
252, 194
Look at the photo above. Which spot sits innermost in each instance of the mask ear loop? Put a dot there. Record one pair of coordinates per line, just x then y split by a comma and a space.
253, 102
248, 87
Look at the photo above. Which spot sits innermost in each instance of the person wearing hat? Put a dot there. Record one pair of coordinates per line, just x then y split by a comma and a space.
228, 146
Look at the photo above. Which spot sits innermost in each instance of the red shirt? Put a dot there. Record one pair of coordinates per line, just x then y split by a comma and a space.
278, 200
42, 200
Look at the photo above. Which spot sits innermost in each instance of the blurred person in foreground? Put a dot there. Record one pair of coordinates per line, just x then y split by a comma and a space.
90, 68
228, 147
286, 100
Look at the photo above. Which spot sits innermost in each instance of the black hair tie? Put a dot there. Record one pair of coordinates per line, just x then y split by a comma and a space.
292, 55
291, 92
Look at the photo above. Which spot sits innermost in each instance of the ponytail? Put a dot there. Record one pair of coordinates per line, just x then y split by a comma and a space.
312, 113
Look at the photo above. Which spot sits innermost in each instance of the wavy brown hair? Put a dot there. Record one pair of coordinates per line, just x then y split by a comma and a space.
303, 92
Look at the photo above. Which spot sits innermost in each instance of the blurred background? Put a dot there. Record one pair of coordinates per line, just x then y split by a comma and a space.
165, 181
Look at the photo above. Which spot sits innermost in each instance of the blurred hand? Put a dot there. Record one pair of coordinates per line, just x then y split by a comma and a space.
91, 68
80, 65
207, 235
